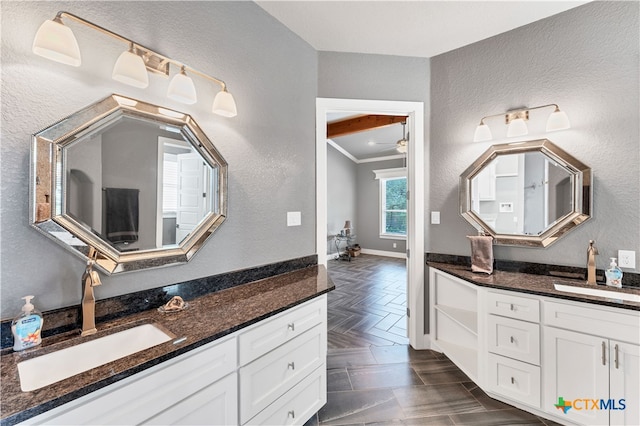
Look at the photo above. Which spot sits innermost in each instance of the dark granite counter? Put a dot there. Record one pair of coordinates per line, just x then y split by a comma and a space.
542, 285
207, 318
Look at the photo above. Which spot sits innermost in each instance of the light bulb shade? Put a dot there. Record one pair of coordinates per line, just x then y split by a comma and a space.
482, 133
130, 69
224, 105
182, 89
401, 146
56, 41
517, 127
558, 120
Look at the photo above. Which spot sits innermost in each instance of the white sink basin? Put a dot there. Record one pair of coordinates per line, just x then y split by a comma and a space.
598, 292
55, 366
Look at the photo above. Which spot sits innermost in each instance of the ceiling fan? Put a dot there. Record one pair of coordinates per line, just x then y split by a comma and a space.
401, 145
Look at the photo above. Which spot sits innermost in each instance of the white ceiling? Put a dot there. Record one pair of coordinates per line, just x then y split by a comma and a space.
404, 28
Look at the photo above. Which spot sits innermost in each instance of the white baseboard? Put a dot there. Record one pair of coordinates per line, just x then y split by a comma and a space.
384, 253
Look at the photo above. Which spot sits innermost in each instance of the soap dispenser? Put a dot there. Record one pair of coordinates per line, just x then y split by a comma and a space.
27, 327
613, 274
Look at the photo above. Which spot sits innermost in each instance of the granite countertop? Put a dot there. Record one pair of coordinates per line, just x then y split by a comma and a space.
207, 318
536, 284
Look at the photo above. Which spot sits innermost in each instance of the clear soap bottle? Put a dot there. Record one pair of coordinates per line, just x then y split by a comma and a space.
613, 274
27, 327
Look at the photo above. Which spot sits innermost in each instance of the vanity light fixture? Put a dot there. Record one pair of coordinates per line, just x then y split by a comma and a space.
54, 40
516, 122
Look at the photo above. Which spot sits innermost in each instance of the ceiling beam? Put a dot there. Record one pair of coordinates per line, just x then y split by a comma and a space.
362, 123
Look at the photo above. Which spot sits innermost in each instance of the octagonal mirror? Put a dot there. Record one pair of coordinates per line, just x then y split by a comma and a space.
141, 184
526, 193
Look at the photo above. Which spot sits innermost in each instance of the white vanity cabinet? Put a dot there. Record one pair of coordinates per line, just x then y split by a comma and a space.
592, 353
199, 387
272, 372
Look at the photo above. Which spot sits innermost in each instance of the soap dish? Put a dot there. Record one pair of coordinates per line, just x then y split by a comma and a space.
176, 304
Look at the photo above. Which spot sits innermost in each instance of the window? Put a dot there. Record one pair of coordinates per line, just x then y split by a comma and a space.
393, 202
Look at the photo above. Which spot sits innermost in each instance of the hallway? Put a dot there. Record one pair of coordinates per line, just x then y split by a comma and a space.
375, 378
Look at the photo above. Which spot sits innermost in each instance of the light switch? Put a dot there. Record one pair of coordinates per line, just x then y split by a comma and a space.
294, 218
435, 218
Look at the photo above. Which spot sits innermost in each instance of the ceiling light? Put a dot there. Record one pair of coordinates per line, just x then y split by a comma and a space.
402, 144
516, 122
130, 69
56, 41
182, 89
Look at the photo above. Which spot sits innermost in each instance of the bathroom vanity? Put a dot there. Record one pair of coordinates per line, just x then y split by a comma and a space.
251, 354
532, 346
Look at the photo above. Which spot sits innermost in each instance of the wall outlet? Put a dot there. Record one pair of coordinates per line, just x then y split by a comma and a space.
395, 245
627, 259
435, 218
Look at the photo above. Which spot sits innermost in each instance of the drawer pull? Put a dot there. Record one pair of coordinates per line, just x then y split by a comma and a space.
513, 308
292, 327
616, 356
512, 340
513, 381
292, 365
604, 353
292, 414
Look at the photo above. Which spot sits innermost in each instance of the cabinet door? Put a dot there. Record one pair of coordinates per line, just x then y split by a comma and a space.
576, 369
625, 382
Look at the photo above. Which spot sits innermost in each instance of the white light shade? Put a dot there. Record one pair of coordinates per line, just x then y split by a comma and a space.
224, 105
130, 69
517, 127
558, 120
401, 146
56, 41
182, 89
482, 133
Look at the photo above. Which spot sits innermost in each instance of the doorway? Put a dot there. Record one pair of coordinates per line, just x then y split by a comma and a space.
415, 182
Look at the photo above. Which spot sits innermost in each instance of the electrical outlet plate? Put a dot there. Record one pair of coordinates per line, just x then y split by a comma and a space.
627, 259
294, 219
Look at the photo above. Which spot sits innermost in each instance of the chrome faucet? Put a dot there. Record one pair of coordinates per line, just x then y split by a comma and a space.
90, 279
592, 252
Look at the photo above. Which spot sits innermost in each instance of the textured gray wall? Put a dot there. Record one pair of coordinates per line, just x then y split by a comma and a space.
585, 60
369, 208
341, 195
270, 145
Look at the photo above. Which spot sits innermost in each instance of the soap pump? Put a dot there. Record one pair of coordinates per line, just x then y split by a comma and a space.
613, 274
27, 327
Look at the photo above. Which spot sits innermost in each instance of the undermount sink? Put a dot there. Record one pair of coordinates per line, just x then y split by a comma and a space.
609, 294
59, 365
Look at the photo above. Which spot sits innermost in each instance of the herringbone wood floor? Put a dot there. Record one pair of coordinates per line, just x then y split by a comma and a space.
368, 306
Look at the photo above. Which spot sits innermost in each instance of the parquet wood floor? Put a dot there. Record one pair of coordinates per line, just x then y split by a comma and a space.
368, 306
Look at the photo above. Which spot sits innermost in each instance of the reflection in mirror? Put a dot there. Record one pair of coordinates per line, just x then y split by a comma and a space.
149, 197
141, 184
527, 193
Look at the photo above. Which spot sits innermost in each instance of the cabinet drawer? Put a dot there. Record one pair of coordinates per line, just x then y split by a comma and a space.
270, 376
515, 380
517, 307
298, 404
273, 332
516, 339
594, 320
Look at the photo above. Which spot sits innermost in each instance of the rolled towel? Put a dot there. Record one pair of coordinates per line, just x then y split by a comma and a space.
481, 253
43, 211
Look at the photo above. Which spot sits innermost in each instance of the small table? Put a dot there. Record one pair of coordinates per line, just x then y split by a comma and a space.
339, 239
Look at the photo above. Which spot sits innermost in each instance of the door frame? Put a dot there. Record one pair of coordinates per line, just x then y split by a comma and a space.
415, 181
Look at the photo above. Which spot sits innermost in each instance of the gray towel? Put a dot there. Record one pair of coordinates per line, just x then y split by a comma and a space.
121, 206
481, 253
